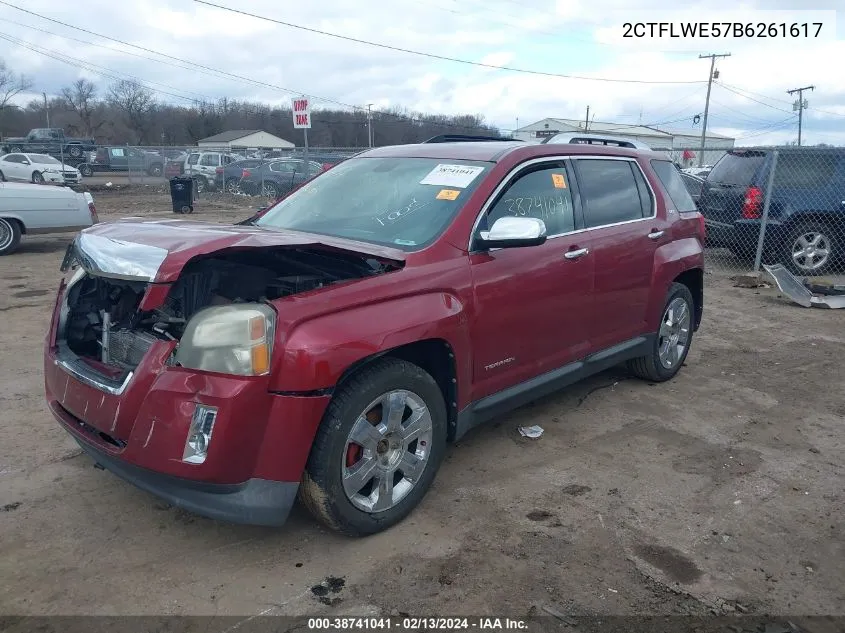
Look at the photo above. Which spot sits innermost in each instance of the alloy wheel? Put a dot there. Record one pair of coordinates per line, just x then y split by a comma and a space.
810, 251
387, 451
674, 334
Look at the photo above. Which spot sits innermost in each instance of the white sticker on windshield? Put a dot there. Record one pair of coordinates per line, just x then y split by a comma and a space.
452, 176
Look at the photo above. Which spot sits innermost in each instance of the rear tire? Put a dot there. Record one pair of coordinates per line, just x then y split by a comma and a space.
155, 170
400, 455
672, 340
233, 185
75, 151
10, 236
202, 183
15, 149
811, 248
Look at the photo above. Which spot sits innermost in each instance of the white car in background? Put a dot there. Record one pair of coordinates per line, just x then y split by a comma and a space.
27, 209
700, 172
38, 169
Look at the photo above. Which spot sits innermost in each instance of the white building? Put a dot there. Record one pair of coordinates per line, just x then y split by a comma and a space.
673, 142
244, 139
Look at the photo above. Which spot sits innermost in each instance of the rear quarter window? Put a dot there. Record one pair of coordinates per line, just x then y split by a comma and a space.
737, 168
672, 181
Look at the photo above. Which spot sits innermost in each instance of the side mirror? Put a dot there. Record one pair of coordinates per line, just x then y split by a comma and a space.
513, 232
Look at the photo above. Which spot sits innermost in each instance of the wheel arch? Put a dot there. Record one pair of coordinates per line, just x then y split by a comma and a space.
435, 356
694, 280
15, 218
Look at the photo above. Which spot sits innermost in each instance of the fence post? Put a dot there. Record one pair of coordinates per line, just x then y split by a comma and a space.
763, 220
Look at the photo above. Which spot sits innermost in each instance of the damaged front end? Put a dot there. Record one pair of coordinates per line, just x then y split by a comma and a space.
216, 315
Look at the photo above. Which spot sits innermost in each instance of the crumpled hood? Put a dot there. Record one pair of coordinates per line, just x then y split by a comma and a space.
157, 250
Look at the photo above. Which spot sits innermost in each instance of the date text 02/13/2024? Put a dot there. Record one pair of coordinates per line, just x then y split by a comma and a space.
416, 624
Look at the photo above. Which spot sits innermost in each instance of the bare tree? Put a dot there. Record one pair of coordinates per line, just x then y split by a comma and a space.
81, 98
136, 103
11, 84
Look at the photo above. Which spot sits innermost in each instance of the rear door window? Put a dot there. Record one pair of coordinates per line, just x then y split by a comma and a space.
609, 192
672, 181
737, 168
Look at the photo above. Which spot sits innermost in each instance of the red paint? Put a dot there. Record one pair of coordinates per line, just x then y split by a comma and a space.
506, 315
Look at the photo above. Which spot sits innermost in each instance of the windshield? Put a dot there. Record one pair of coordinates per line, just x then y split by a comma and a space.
403, 202
43, 159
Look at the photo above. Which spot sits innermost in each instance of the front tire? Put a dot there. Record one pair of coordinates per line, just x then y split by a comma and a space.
672, 341
270, 190
377, 450
37, 178
10, 236
233, 185
156, 171
86, 170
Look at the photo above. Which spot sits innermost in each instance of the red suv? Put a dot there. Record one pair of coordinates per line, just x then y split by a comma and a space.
335, 346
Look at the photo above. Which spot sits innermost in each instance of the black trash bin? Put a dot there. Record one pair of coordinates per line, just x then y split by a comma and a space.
183, 194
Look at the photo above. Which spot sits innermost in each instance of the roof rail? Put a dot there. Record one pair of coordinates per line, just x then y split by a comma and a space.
465, 138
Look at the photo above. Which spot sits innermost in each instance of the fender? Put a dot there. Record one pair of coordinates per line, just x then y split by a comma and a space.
670, 260
318, 351
9, 215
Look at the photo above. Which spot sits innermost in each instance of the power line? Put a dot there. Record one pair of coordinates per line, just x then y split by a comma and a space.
197, 67
736, 92
91, 67
433, 55
769, 128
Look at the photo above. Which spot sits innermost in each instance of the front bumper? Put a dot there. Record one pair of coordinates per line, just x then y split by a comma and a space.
254, 502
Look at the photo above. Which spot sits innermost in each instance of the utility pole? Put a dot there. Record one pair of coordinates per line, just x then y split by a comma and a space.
587, 120
369, 125
710, 78
800, 105
46, 109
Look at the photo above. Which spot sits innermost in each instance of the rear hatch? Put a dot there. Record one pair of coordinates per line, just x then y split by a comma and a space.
733, 190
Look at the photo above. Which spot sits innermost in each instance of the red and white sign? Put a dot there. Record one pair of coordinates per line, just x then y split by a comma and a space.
301, 113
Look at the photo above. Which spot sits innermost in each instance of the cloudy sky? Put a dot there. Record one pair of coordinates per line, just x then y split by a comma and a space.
191, 46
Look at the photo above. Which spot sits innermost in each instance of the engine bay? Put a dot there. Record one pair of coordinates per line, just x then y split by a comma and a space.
103, 321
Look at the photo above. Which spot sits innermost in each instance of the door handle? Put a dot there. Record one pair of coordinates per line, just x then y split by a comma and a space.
576, 253
655, 235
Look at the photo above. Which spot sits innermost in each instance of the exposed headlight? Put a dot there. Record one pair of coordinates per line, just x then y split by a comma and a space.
50, 171
233, 339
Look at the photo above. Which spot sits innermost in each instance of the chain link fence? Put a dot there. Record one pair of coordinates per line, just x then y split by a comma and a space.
774, 205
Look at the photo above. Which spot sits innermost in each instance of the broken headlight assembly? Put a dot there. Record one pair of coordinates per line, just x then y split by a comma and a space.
233, 339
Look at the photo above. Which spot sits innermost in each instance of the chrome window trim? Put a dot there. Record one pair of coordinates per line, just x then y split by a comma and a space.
554, 159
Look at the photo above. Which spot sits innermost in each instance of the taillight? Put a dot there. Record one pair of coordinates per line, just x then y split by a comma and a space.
752, 206
93, 211
702, 227
219, 170
326, 166
245, 173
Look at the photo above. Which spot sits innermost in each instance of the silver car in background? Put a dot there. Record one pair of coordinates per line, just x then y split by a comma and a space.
27, 209
38, 169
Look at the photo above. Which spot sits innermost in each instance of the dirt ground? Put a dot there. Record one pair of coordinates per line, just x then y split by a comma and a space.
719, 492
